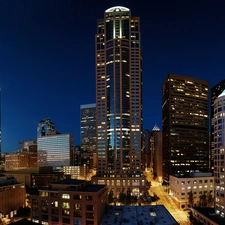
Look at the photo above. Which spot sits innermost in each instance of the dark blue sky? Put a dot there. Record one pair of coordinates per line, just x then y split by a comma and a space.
47, 57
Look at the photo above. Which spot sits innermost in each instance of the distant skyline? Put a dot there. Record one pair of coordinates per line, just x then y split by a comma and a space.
47, 55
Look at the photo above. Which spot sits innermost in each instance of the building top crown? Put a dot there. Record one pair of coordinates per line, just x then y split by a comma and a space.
155, 128
117, 9
222, 94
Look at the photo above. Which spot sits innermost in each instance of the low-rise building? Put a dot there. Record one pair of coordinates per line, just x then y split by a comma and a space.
69, 201
206, 216
12, 196
36, 177
198, 183
25, 158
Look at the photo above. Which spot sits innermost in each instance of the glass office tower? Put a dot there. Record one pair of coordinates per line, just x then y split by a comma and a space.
219, 146
215, 92
55, 150
88, 127
118, 94
184, 125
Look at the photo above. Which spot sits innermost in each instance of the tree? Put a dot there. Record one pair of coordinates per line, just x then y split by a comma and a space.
128, 198
155, 197
110, 197
210, 199
122, 197
23, 212
203, 200
190, 198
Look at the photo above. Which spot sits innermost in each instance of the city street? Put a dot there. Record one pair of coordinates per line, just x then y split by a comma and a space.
180, 216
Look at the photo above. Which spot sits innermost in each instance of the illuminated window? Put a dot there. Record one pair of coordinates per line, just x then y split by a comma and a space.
66, 196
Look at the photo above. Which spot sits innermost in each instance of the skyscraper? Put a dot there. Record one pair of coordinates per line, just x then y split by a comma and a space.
88, 127
184, 125
119, 100
0, 125
219, 145
215, 92
156, 152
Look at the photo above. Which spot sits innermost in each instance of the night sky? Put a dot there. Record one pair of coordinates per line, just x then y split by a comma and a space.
47, 57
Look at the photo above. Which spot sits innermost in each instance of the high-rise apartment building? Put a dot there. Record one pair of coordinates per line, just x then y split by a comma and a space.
119, 99
219, 146
88, 127
215, 92
184, 125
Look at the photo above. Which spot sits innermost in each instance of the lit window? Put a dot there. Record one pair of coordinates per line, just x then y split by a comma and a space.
66, 196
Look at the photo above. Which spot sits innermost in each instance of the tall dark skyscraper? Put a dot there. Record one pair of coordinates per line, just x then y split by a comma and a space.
88, 127
0, 125
184, 125
215, 92
119, 100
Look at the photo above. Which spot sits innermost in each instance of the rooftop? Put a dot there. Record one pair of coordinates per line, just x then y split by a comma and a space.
88, 187
25, 222
134, 215
70, 181
195, 175
5, 181
92, 188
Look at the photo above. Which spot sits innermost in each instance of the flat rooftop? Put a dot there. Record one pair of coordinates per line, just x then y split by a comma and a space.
25, 222
70, 181
137, 215
92, 188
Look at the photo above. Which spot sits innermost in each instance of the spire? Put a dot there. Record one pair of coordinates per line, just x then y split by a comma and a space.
155, 128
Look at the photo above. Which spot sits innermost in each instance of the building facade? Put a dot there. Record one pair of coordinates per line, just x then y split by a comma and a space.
76, 172
18, 160
69, 202
25, 158
119, 96
219, 159
199, 184
215, 92
55, 150
12, 196
184, 125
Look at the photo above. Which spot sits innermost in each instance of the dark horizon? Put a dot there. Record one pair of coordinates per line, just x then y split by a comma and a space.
48, 58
